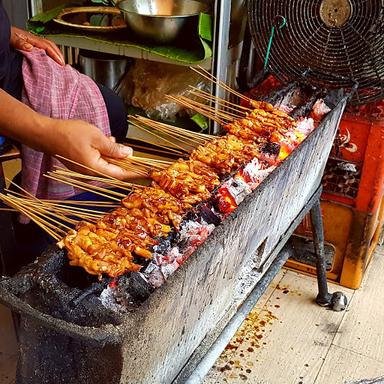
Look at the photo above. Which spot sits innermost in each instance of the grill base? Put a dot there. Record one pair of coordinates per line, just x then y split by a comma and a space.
152, 343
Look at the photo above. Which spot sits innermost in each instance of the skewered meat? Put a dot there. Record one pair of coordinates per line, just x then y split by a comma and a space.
225, 154
154, 203
260, 123
98, 251
189, 181
248, 130
135, 220
267, 107
265, 135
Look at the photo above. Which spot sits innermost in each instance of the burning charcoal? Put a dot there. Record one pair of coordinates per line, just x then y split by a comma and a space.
270, 148
254, 173
319, 110
113, 300
168, 269
193, 234
164, 246
333, 98
138, 287
208, 215
305, 126
154, 275
304, 110
95, 288
238, 189
130, 291
278, 96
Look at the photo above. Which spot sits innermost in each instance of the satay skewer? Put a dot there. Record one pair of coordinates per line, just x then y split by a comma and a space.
181, 150
207, 75
103, 180
46, 226
86, 187
220, 100
200, 108
49, 206
172, 129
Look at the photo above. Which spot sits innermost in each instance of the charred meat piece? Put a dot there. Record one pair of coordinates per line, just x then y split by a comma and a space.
225, 154
135, 220
189, 181
154, 203
98, 251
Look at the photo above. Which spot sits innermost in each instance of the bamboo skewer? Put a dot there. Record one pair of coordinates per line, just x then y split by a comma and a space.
181, 134
181, 150
74, 176
88, 168
235, 106
162, 151
214, 114
63, 210
171, 129
7, 210
198, 108
85, 187
112, 182
129, 166
207, 75
226, 105
81, 184
39, 208
95, 203
21, 189
74, 211
46, 226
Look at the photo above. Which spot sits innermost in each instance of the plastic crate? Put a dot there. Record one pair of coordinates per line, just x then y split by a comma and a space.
354, 174
350, 238
352, 201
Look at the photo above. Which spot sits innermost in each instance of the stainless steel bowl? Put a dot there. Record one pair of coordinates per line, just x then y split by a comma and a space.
160, 21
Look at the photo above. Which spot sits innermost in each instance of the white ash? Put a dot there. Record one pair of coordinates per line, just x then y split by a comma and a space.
238, 189
108, 299
255, 173
320, 109
348, 167
306, 126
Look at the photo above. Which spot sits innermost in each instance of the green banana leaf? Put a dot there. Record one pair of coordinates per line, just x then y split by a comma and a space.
43, 24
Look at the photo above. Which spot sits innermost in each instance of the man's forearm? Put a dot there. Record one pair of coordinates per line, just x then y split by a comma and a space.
21, 123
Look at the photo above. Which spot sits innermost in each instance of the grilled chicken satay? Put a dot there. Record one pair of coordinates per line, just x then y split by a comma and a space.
188, 181
267, 107
225, 154
155, 203
98, 251
136, 220
248, 131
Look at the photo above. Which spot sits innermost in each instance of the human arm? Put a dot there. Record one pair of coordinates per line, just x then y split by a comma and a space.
25, 41
73, 139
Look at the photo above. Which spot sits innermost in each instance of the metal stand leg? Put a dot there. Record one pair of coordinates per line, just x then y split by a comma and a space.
336, 301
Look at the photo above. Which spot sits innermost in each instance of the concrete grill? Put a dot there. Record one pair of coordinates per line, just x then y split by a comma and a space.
152, 342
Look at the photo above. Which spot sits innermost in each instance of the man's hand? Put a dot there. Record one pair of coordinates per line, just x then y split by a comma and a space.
85, 144
25, 41
73, 139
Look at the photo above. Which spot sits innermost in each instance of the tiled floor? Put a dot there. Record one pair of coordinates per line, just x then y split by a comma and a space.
287, 338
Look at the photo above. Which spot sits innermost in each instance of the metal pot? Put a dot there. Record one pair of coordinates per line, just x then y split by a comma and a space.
103, 68
159, 21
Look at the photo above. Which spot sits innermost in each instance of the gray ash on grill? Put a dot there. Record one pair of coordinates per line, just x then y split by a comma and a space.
70, 292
